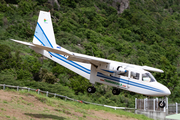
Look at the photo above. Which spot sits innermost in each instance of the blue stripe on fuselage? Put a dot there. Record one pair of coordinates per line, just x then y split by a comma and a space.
129, 82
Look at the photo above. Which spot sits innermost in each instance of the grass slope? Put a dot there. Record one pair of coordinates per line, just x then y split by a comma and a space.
25, 105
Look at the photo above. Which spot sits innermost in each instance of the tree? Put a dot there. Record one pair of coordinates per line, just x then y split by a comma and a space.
46, 76
5, 56
79, 84
170, 76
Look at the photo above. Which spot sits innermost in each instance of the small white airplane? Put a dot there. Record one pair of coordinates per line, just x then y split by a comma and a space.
120, 75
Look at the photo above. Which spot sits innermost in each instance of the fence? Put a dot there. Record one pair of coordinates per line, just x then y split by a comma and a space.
174, 108
152, 104
61, 96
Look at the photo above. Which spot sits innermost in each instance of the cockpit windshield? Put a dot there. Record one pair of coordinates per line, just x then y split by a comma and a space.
148, 77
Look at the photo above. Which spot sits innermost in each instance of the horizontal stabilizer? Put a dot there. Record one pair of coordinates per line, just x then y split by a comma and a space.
58, 51
44, 48
22, 42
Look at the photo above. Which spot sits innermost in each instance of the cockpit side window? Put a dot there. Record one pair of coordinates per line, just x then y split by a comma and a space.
135, 75
147, 77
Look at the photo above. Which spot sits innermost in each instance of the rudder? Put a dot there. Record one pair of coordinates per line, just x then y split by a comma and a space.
44, 33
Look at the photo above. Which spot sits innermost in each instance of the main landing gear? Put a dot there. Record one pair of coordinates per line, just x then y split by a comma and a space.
115, 91
91, 89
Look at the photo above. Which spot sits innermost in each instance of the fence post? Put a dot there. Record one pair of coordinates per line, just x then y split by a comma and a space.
147, 103
135, 103
176, 108
144, 104
4, 86
55, 95
154, 104
157, 102
164, 109
17, 88
38, 91
28, 89
167, 106
47, 94
65, 98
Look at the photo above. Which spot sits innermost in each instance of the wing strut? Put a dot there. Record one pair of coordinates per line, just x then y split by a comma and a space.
93, 75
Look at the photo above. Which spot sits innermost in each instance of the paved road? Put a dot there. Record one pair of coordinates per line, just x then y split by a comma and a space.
175, 116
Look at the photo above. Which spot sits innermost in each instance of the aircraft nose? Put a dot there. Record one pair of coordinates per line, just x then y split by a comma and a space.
164, 89
167, 92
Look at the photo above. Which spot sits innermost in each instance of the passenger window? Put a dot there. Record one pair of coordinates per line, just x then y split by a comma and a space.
135, 75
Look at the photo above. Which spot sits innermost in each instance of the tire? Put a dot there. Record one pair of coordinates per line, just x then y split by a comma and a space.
91, 89
94, 90
115, 91
161, 104
118, 92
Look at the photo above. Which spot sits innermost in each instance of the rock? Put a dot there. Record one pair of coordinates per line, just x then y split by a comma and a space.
53, 2
120, 5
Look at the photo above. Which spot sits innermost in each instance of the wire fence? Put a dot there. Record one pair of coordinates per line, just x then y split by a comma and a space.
61, 96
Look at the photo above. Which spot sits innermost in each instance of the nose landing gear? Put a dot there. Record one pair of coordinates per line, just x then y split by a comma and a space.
161, 104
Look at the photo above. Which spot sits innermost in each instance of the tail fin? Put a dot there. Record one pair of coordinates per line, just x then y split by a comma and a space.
44, 33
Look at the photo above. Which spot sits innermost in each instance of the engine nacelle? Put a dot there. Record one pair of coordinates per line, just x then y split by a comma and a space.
120, 70
117, 69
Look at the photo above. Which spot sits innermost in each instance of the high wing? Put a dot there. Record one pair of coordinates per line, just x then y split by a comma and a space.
95, 60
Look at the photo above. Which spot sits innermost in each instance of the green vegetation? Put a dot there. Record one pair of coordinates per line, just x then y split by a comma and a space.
147, 33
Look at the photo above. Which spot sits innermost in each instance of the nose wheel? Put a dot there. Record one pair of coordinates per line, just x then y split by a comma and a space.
115, 91
91, 89
162, 104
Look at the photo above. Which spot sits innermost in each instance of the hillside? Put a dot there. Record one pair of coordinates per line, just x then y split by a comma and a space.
30, 106
143, 33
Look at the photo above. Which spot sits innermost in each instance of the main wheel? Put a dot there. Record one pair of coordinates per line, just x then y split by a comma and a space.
94, 90
115, 91
162, 104
91, 89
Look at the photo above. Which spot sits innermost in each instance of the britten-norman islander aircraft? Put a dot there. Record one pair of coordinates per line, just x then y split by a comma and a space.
120, 75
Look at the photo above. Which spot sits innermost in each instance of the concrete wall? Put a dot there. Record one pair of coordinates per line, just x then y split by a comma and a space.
156, 115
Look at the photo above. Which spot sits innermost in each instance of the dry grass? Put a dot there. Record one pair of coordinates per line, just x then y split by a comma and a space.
31, 106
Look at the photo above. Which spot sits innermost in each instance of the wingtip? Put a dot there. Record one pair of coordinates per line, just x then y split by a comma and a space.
162, 71
13, 39
152, 69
